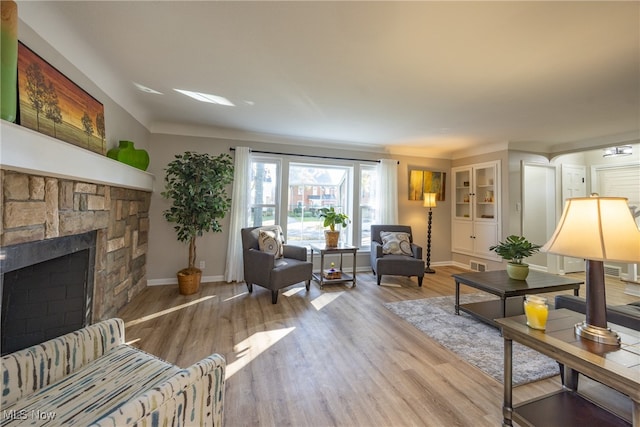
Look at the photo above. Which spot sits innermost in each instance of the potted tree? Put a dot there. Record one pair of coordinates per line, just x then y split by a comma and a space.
331, 219
514, 249
197, 185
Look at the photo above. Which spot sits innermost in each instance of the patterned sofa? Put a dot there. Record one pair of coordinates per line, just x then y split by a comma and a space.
90, 377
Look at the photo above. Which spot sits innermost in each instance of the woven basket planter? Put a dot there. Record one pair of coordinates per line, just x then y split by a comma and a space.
189, 280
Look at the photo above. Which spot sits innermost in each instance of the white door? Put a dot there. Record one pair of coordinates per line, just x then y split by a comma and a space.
538, 208
573, 185
573, 181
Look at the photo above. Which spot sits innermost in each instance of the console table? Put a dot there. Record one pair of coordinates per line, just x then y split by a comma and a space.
341, 249
616, 367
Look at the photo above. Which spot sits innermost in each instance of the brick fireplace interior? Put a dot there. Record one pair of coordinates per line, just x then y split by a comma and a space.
47, 289
78, 248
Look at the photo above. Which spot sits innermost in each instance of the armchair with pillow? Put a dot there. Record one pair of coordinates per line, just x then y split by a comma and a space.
394, 253
270, 263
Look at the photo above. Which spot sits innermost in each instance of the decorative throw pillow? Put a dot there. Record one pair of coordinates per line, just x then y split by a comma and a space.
396, 243
270, 240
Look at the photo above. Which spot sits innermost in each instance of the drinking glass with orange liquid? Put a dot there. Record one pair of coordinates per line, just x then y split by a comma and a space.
536, 310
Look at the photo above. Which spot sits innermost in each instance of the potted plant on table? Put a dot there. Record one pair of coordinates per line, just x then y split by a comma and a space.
331, 219
197, 185
514, 249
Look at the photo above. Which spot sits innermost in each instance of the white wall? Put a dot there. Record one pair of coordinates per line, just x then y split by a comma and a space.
411, 212
166, 254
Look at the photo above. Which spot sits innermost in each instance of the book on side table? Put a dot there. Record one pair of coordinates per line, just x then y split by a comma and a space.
332, 274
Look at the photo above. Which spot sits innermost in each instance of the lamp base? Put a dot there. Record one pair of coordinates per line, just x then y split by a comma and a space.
597, 334
429, 270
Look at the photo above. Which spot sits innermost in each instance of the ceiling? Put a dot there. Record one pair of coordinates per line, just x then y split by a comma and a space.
428, 78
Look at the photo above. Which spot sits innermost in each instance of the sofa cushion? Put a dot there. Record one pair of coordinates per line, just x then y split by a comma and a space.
400, 265
396, 243
95, 389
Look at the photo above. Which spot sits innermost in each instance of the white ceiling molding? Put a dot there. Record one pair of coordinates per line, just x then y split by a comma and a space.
239, 135
594, 143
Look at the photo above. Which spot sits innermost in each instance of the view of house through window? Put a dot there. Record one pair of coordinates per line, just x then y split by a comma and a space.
312, 187
349, 188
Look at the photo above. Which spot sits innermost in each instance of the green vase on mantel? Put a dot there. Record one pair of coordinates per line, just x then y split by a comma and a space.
128, 154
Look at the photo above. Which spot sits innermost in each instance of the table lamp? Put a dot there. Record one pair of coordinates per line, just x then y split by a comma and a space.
597, 229
429, 202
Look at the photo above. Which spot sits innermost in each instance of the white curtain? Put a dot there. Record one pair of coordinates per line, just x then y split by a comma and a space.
388, 191
239, 214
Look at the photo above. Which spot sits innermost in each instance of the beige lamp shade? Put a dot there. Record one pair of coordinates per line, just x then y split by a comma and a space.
596, 228
429, 200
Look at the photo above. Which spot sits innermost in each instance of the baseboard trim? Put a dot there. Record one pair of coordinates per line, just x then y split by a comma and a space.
632, 288
220, 278
459, 265
174, 280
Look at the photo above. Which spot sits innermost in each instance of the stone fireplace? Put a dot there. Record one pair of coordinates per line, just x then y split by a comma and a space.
46, 213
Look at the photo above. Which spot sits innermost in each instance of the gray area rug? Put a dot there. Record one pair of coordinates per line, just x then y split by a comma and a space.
476, 342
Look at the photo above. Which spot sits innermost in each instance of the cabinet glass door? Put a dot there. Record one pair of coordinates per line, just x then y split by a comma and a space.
463, 194
485, 195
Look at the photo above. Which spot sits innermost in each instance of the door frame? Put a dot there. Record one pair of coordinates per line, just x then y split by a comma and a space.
570, 264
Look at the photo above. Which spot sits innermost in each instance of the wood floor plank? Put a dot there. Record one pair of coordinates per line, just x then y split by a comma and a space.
331, 357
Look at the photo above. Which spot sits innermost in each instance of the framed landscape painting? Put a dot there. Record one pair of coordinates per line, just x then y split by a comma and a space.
422, 181
52, 104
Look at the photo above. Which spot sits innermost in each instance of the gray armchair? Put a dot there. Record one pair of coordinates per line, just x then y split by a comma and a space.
395, 264
264, 269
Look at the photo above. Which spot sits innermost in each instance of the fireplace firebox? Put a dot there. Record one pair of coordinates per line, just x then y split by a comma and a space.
47, 289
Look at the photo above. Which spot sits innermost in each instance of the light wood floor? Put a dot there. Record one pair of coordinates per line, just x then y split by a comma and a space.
334, 357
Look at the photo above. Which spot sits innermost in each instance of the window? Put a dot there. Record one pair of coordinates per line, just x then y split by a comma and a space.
265, 192
349, 187
618, 181
368, 203
322, 186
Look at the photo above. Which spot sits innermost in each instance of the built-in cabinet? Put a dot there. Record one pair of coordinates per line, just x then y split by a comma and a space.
476, 210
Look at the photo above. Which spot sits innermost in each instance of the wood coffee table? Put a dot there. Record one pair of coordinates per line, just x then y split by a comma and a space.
510, 291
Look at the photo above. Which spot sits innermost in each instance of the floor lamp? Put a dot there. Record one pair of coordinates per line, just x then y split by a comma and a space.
597, 229
429, 202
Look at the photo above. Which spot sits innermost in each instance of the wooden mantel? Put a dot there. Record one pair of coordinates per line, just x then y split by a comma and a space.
27, 151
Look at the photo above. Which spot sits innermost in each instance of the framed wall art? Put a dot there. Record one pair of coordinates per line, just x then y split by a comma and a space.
424, 181
50, 103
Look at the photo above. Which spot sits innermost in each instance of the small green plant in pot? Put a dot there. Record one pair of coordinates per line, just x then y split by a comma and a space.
197, 186
331, 219
514, 249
